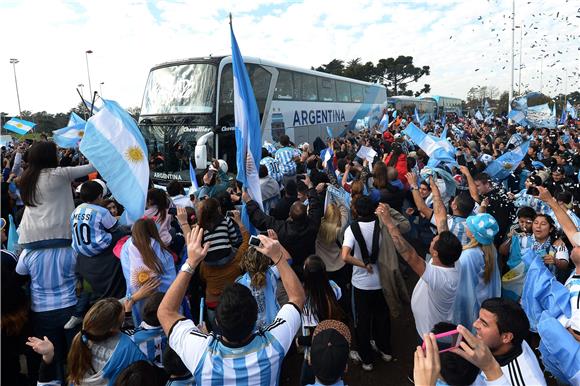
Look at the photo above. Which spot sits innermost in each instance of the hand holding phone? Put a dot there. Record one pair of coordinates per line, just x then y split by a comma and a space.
254, 241
447, 341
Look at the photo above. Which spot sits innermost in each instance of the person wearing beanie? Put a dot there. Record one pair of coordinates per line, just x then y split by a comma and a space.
329, 352
480, 277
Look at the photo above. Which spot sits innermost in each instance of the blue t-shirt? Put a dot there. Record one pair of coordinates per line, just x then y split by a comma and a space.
91, 228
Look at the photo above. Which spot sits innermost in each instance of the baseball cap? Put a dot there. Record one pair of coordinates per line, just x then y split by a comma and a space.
483, 227
329, 351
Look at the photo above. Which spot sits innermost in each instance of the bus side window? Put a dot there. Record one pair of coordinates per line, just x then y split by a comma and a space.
284, 86
226, 101
342, 91
357, 93
326, 90
309, 90
260, 80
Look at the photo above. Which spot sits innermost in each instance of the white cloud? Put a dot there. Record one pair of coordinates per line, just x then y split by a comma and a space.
127, 40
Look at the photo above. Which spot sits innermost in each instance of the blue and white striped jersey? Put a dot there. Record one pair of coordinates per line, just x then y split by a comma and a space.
52, 277
150, 340
285, 157
91, 226
456, 225
214, 362
274, 169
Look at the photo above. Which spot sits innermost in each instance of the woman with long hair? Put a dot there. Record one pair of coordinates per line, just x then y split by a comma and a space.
46, 192
328, 246
480, 273
262, 279
158, 203
221, 231
143, 257
548, 246
321, 304
100, 351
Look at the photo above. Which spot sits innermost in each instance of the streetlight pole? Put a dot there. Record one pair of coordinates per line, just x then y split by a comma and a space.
87, 52
520, 70
14, 61
511, 93
101, 88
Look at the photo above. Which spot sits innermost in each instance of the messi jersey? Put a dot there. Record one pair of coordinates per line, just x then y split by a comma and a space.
91, 226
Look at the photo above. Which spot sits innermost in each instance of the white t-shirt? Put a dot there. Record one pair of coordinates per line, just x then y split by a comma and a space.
361, 279
433, 297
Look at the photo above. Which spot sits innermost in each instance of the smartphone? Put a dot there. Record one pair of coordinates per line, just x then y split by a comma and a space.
447, 341
172, 211
254, 241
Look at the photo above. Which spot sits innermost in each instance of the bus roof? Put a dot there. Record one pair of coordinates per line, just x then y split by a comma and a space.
248, 59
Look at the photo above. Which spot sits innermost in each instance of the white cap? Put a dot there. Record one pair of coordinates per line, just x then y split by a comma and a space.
100, 182
223, 165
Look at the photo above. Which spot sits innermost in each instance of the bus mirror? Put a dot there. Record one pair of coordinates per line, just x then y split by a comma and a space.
201, 150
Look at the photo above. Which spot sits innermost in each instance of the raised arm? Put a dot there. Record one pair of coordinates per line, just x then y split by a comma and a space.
290, 281
405, 249
419, 202
471, 183
168, 311
565, 221
439, 210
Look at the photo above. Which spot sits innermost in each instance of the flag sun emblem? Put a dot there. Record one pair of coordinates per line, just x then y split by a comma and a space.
140, 277
134, 154
81, 133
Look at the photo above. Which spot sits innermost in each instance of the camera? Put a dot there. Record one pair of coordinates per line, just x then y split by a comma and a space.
254, 241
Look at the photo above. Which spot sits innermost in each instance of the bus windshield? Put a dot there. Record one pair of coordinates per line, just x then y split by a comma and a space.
182, 89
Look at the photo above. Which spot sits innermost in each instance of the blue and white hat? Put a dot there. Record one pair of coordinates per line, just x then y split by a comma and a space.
483, 227
271, 148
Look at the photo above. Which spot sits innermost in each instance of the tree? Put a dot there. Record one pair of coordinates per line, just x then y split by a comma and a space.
356, 70
399, 73
335, 66
135, 112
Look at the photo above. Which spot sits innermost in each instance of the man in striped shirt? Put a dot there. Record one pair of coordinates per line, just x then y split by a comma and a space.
273, 166
286, 157
238, 355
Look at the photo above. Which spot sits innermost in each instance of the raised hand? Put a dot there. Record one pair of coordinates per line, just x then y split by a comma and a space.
195, 250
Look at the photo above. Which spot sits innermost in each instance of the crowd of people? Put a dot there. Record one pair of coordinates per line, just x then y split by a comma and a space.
187, 295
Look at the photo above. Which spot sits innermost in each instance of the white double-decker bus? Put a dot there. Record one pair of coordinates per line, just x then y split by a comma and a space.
188, 109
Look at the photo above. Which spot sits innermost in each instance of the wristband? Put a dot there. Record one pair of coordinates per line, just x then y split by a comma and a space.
279, 259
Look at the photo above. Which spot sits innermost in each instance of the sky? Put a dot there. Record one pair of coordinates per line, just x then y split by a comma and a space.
466, 43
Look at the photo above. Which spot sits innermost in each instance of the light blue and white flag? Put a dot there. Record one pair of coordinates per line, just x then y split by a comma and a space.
444, 132
394, 114
540, 116
19, 126
114, 145
554, 111
432, 146
486, 109
96, 107
194, 186
518, 117
70, 136
571, 111
418, 118
500, 168
326, 154
384, 123
329, 132
564, 115
248, 132
443, 120
12, 242
478, 116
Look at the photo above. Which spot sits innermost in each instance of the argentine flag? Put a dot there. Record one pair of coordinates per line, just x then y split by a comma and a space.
114, 145
571, 111
71, 135
437, 149
194, 187
248, 131
19, 126
500, 168
478, 116
384, 123
418, 118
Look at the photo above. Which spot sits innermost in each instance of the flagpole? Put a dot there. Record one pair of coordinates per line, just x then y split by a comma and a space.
14, 61
511, 93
